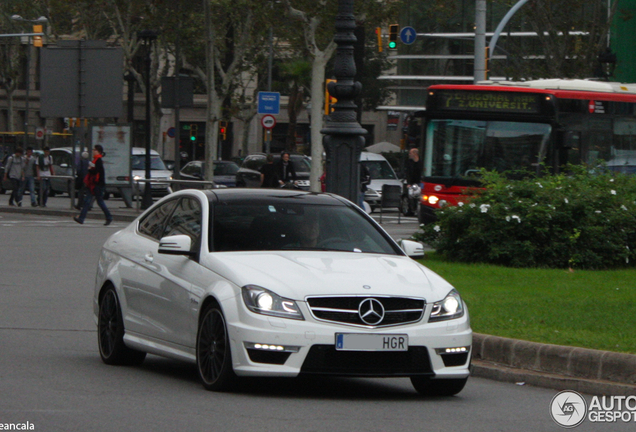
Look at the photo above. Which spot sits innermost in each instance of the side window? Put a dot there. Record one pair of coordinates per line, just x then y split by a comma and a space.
153, 224
186, 220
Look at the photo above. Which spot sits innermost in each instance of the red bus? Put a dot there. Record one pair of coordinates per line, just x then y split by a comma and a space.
508, 126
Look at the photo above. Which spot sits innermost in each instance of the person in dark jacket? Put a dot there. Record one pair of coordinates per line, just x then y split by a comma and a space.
96, 182
285, 170
269, 178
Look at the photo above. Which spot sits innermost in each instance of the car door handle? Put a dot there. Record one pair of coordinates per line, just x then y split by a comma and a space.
149, 257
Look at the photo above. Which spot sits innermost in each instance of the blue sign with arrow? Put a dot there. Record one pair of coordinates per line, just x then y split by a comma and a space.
408, 35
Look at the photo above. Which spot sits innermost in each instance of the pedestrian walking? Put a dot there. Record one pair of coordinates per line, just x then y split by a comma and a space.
29, 175
44, 168
96, 183
14, 172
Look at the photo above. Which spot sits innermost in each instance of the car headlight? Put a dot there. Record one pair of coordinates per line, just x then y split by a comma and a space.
137, 177
449, 308
262, 301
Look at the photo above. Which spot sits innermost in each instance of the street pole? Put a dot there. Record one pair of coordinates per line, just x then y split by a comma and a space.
147, 36
480, 41
344, 137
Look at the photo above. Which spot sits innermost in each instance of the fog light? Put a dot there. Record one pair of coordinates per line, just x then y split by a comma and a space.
271, 347
453, 350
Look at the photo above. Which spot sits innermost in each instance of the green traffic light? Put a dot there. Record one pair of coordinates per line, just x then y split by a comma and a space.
193, 138
392, 45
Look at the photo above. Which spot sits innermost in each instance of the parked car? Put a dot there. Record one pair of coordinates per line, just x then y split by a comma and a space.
158, 171
381, 173
277, 283
249, 174
224, 172
63, 164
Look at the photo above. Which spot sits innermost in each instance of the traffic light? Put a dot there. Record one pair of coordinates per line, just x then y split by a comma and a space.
393, 36
194, 129
378, 33
37, 40
329, 100
223, 130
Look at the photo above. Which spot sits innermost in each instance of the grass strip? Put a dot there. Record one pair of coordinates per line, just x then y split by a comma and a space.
582, 308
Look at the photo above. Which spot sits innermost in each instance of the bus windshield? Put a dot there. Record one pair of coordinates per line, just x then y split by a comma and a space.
457, 148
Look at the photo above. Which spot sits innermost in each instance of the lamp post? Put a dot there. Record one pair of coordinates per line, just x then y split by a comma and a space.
344, 137
41, 20
147, 36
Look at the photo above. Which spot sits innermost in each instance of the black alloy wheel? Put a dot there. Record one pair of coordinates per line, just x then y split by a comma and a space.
110, 333
438, 387
214, 359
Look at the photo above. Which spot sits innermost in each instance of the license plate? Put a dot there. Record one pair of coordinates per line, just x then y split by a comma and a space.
371, 342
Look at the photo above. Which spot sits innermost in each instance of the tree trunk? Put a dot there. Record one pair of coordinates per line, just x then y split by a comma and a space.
319, 61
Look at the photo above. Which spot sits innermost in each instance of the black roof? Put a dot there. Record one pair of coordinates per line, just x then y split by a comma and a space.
272, 195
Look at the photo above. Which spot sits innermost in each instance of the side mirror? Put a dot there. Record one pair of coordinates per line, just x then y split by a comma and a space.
412, 248
176, 245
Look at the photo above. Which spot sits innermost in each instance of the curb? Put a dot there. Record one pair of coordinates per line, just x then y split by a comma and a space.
554, 366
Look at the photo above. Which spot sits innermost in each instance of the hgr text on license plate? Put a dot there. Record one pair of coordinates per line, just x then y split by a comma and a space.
371, 342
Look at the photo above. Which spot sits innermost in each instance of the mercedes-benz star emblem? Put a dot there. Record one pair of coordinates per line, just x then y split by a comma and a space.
371, 311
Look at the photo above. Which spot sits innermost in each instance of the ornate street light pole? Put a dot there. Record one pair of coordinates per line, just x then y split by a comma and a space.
344, 137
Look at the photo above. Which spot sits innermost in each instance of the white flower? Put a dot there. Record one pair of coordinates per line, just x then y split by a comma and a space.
613, 192
623, 207
612, 180
461, 204
516, 217
507, 218
540, 185
566, 200
471, 205
437, 228
597, 212
484, 208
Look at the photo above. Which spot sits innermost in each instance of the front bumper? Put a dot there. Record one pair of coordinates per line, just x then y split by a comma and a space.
308, 347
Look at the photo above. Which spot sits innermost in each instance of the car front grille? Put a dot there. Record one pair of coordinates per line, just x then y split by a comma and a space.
325, 359
347, 310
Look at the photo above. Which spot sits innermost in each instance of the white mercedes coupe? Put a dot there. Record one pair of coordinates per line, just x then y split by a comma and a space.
260, 282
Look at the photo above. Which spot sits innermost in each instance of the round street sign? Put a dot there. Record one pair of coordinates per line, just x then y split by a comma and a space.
268, 121
172, 132
39, 133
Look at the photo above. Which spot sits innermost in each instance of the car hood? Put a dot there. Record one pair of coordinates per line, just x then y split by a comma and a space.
297, 275
377, 183
161, 174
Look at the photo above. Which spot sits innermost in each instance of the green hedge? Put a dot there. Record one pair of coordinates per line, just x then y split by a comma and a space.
584, 220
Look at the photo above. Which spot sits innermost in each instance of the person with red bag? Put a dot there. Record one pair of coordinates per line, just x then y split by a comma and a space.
96, 183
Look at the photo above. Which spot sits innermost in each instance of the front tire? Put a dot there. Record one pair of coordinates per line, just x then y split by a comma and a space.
438, 387
214, 359
110, 333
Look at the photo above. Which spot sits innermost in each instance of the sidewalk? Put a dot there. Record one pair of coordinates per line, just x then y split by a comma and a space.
61, 206
502, 359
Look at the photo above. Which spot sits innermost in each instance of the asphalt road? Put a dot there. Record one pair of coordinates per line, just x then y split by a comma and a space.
52, 377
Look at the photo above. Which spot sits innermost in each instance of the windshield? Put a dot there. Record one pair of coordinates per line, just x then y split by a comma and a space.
380, 169
223, 169
456, 148
265, 226
139, 162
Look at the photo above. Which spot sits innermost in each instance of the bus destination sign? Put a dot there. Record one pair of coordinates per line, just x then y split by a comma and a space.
489, 101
